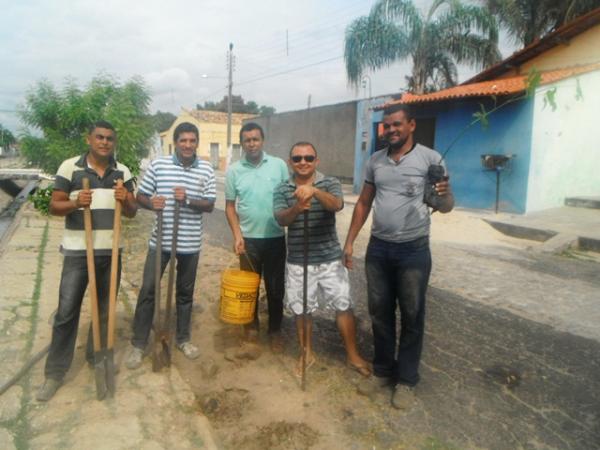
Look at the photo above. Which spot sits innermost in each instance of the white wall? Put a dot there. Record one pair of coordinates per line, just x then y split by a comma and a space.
565, 146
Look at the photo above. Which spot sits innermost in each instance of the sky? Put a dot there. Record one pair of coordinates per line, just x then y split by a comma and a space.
284, 51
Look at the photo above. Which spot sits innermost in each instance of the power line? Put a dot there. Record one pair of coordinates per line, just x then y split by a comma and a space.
350, 11
289, 71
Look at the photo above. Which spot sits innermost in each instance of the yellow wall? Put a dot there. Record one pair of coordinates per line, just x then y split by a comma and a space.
209, 133
580, 50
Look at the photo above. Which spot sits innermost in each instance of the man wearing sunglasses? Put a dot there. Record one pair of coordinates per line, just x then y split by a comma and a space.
310, 190
258, 239
398, 260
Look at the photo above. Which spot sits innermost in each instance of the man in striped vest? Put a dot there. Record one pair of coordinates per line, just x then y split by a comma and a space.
310, 190
68, 200
181, 177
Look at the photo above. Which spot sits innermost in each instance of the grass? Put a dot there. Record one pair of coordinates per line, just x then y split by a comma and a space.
20, 426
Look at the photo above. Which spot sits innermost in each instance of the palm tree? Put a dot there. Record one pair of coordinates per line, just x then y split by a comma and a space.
529, 20
451, 33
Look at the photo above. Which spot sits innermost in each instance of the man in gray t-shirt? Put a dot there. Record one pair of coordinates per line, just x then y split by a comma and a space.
398, 260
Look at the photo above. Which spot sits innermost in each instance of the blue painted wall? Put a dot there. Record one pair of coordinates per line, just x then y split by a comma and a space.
508, 132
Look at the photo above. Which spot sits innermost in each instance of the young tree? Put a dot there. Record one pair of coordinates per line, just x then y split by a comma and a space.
451, 33
63, 117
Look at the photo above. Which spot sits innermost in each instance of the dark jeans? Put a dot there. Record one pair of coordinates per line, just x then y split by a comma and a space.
398, 272
187, 264
268, 260
73, 282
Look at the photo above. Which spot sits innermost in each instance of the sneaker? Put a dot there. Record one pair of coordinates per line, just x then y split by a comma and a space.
373, 384
134, 358
403, 396
189, 350
48, 389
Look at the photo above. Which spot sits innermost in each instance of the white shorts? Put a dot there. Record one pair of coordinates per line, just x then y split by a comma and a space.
327, 281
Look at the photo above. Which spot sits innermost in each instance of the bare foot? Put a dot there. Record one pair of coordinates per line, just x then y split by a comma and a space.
360, 365
310, 361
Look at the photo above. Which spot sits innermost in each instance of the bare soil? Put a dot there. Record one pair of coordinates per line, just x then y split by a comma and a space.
251, 396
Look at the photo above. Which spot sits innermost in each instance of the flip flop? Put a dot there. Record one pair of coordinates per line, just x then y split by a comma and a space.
309, 364
364, 370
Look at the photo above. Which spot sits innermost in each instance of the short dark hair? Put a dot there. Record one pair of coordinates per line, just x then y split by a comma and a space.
303, 144
101, 124
252, 126
185, 127
397, 108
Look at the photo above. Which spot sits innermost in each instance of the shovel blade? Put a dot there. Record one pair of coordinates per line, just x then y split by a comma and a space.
109, 363
166, 352
161, 354
100, 374
157, 357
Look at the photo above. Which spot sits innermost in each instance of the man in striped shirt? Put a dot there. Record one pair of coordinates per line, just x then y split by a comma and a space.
184, 178
310, 190
68, 199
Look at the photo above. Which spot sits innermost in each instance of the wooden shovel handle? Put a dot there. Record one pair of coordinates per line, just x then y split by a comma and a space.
304, 295
114, 270
89, 251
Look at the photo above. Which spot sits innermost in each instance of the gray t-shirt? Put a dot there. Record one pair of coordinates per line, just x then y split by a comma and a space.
399, 214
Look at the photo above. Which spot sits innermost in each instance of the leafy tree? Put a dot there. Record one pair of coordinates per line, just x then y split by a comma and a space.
162, 121
529, 20
450, 33
238, 105
62, 117
266, 110
6, 137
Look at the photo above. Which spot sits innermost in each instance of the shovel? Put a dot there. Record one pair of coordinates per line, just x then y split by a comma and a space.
112, 302
163, 337
160, 355
304, 297
99, 366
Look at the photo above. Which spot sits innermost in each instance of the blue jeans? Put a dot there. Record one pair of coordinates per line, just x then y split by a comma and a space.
187, 265
397, 276
73, 283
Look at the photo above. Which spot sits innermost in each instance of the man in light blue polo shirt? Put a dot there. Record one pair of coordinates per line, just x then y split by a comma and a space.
258, 239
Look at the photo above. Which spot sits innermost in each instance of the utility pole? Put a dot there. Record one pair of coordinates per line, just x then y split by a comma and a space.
229, 88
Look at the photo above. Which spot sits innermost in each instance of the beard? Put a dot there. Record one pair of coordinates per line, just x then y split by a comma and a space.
399, 144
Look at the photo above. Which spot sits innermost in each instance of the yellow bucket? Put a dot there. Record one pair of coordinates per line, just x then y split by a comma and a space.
239, 289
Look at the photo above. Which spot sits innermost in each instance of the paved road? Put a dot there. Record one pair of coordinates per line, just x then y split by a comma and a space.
511, 352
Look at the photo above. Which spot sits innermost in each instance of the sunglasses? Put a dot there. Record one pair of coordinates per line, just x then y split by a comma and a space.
307, 158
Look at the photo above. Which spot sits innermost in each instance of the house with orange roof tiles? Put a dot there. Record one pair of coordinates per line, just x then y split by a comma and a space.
531, 152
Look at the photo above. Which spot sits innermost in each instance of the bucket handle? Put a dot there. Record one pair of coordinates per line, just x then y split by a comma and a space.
247, 259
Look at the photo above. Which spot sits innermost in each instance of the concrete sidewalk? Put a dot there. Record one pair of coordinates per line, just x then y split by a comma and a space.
567, 226
149, 411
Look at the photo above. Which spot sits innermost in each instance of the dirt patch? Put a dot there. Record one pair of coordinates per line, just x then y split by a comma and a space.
279, 436
225, 406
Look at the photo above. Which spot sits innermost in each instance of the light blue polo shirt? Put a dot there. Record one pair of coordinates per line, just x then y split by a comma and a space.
252, 187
